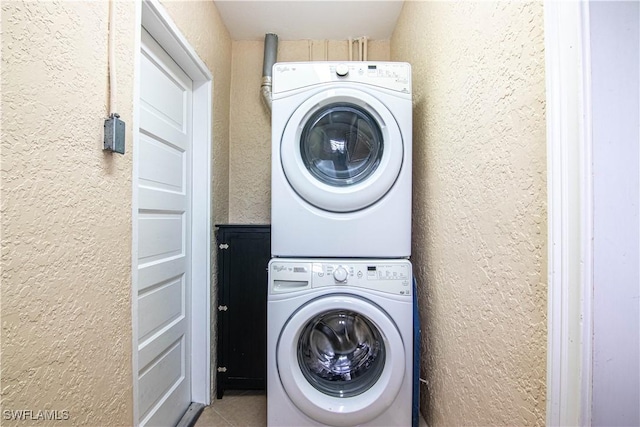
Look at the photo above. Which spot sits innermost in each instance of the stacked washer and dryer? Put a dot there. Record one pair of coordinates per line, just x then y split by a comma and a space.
340, 303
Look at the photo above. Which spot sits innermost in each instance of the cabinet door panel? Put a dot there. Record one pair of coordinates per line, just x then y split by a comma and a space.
243, 290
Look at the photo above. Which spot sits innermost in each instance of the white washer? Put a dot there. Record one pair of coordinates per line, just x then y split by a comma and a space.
341, 160
339, 342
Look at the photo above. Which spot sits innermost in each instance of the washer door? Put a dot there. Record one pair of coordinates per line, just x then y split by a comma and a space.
341, 360
341, 150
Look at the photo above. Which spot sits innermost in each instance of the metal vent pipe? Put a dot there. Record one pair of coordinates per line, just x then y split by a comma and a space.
270, 55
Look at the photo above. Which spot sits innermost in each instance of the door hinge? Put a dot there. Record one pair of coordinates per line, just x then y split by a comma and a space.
222, 308
223, 246
222, 369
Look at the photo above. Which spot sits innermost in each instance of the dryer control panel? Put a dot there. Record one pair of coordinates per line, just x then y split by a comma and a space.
395, 76
389, 276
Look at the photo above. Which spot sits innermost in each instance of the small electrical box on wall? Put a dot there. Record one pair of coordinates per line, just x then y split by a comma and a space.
114, 134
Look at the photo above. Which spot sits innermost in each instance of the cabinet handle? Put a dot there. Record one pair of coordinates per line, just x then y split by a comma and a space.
222, 308
223, 246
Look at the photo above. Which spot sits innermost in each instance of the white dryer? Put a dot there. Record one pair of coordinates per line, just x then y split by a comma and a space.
339, 342
341, 160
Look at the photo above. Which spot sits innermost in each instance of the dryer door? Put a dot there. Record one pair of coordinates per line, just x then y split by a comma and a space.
341, 150
341, 360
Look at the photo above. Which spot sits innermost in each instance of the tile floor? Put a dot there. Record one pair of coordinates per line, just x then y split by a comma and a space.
241, 409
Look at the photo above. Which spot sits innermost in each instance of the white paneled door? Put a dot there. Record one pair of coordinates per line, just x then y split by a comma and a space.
163, 236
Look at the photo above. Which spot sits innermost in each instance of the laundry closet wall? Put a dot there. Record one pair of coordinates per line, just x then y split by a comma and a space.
66, 204
250, 128
479, 208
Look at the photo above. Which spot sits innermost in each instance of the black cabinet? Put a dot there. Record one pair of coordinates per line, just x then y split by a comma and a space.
244, 252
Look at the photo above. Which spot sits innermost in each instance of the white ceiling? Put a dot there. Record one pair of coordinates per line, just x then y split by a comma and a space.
310, 19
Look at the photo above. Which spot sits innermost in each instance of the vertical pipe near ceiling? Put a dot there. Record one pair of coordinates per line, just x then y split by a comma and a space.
350, 49
364, 50
270, 55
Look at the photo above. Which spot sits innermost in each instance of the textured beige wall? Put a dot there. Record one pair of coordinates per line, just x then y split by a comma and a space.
479, 212
66, 205
250, 128
66, 213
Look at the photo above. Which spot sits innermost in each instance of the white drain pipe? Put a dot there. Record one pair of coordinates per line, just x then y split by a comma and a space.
350, 49
270, 55
363, 49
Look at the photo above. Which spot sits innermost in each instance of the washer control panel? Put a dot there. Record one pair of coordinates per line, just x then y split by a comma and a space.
390, 276
394, 76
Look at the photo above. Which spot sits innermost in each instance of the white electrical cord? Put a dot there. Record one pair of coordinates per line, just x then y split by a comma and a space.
112, 57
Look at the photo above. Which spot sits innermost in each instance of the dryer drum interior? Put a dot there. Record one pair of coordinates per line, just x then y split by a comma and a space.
341, 353
341, 144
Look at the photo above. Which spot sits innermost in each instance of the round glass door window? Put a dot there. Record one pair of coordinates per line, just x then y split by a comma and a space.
341, 353
341, 144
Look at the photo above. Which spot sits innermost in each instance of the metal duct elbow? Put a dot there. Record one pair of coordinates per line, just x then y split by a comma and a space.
270, 55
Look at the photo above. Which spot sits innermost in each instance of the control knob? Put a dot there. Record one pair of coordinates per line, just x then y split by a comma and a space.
342, 70
340, 275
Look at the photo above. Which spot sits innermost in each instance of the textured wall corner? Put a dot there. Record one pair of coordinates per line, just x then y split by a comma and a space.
479, 209
250, 128
66, 214
202, 25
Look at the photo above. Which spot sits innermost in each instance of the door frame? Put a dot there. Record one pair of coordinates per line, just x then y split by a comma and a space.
155, 19
570, 213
